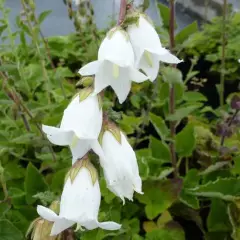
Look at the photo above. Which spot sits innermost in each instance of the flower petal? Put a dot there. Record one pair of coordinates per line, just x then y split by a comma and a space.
90, 69
143, 36
58, 136
60, 225
96, 147
165, 55
103, 76
136, 76
122, 85
79, 149
84, 118
109, 225
47, 213
149, 63
90, 225
117, 49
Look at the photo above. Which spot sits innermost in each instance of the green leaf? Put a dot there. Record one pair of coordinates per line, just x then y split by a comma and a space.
165, 15
43, 16
224, 188
178, 91
58, 180
186, 141
191, 180
159, 196
2, 28
194, 97
17, 197
159, 150
214, 167
4, 207
172, 75
181, 113
34, 183
164, 92
186, 32
8, 231
13, 171
159, 125
218, 220
234, 213
18, 220
171, 233
236, 167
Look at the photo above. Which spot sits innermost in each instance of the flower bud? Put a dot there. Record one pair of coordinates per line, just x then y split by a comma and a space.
40, 228
85, 81
224, 130
235, 102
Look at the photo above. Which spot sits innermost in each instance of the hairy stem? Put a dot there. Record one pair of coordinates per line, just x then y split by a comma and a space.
42, 60
3, 183
228, 125
123, 10
224, 39
13, 95
172, 92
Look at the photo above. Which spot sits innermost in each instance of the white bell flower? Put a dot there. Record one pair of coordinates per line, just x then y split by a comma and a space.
80, 126
115, 65
120, 165
80, 201
148, 48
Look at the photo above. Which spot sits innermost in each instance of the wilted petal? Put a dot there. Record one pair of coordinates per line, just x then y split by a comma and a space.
90, 69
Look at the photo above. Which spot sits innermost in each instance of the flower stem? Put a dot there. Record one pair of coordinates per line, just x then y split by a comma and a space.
3, 183
41, 58
229, 125
172, 92
123, 10
13, 95
224, 39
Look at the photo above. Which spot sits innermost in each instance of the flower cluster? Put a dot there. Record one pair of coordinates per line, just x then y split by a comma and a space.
126, 54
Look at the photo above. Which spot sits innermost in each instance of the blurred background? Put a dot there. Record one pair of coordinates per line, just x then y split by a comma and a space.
105, 11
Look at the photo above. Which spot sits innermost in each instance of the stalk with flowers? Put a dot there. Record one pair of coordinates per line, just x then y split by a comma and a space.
130, 52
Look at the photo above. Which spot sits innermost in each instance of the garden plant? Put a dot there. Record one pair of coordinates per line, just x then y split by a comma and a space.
128, 133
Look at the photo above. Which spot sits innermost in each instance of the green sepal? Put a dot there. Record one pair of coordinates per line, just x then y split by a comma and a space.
55, 206
100, 137
83, 163
84, 93
100, 101
85, 81
115, 29
112, 128
131, 18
